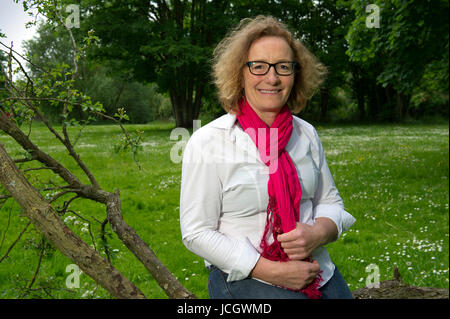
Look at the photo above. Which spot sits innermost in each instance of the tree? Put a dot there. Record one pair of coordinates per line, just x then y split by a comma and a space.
167, 42
411, 35
27, 95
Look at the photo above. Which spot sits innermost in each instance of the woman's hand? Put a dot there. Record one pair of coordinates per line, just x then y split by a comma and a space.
300, 242
292, 274
297, 274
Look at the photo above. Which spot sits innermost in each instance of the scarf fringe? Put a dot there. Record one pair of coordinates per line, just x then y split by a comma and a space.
275, 252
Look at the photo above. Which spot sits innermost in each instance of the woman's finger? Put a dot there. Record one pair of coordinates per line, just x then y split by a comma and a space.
287, 237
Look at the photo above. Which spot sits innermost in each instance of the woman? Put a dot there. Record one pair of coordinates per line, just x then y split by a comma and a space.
258, 202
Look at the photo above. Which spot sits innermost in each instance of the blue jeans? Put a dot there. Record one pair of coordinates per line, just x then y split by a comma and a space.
219, 288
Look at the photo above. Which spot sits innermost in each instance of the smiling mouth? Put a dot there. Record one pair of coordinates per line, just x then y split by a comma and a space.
269, 91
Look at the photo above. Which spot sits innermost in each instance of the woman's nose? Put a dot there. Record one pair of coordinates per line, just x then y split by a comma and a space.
272, 76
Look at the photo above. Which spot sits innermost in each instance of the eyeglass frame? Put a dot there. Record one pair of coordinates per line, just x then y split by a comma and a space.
294, 69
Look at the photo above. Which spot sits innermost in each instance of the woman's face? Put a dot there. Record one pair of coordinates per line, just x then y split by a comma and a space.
269, 92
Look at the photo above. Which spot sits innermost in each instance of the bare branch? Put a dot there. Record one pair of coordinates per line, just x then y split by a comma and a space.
74, 44
46, 218
36, 169
7, 227
10, 128
15, 242
31, 106
89, 227
54, 198
22, 69
17, 53
103, 237
68, 143
41, 255
9, 77
24, 160
124, 131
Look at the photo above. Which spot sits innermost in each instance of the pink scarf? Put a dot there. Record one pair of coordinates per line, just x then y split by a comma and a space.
285, 192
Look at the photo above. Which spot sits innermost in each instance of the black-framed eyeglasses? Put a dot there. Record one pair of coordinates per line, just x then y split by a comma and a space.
262, 68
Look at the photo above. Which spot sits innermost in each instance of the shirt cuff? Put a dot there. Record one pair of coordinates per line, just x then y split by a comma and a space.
245, 264
337, 214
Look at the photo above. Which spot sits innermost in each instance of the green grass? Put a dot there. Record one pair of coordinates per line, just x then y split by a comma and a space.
393, 179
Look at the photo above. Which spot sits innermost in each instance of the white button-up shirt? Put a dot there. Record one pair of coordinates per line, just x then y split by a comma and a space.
223, 204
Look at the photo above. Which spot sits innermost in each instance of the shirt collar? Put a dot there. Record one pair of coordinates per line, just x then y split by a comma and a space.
224, 122
227, 121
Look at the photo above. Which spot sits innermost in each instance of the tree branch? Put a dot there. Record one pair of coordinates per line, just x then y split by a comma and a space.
15, 242
171, 286
89, 227
10, 128
31, 106
41, 255
10, 49
5, 196
124, 131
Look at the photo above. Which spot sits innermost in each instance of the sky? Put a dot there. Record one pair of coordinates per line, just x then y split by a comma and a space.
12, 24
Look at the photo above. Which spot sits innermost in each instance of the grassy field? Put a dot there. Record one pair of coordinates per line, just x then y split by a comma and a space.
393, 179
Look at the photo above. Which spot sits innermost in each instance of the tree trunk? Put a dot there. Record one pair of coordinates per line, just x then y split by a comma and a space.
389, 104
324, 98
373, 105
182, 113
179, 109
401, 106
361, 104
186, 107
197, 101
45, 218
359, 89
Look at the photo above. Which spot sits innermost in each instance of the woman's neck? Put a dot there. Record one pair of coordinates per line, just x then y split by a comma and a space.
267, 117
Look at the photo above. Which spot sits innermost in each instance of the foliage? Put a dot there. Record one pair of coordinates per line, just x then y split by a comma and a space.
411, 39
430, 98
52, 49
387, 71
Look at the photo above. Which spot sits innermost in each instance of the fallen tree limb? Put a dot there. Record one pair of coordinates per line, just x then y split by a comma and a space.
45, 218
165, 279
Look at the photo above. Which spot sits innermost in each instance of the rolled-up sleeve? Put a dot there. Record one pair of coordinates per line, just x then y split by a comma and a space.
327, 202
200, 209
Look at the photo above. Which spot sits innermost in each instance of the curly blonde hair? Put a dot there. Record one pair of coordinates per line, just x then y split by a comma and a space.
230, 57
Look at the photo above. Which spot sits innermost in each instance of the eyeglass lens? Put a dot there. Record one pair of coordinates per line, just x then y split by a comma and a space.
261, 68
